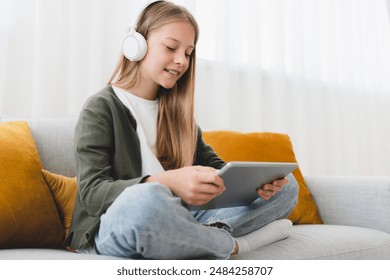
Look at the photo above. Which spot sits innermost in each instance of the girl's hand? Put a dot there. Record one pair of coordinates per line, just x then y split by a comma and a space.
269, 190
195, 185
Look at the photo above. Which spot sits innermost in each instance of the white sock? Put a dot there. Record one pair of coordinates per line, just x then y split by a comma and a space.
268, 234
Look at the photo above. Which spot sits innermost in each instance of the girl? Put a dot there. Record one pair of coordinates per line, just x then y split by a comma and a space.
139, 154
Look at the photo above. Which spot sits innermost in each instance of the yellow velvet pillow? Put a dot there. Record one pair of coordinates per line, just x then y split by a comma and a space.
28, 215
64, 191
264, 146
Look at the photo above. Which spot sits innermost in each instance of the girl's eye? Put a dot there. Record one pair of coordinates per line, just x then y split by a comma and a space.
173, 49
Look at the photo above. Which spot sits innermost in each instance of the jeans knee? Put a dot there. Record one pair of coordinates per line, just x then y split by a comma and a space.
138, 215
140, 203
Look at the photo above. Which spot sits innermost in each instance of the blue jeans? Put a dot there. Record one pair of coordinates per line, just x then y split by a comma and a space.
148, 221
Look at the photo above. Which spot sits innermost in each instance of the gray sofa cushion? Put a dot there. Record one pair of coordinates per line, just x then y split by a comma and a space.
48, 254
361, 201
54, 140
312, 242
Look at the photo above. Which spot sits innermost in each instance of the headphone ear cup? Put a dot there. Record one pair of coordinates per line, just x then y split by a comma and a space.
134, 46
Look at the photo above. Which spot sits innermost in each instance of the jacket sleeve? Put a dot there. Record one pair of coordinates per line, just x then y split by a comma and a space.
205, 155
94, 148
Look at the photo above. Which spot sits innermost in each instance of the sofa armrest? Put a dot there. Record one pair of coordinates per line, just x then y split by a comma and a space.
362, 201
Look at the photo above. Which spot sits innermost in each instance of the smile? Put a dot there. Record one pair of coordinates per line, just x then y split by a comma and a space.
172, 72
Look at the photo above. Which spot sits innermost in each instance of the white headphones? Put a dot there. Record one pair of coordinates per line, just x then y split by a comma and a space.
134, 46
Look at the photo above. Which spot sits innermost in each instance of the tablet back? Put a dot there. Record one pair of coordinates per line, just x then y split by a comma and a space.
242, 179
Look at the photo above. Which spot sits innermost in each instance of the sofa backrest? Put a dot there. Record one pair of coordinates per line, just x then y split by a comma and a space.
54, 140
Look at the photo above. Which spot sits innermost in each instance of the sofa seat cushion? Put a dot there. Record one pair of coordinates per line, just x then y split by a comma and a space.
328, 242
49, 254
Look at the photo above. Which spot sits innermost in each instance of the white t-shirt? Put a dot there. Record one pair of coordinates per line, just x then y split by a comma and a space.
145, 113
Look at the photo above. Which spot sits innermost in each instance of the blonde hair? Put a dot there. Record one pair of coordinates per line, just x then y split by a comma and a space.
176, 129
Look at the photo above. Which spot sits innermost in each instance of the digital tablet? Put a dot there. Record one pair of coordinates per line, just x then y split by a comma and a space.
242, 179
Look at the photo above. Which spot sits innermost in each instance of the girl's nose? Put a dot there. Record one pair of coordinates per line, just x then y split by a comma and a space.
180, 59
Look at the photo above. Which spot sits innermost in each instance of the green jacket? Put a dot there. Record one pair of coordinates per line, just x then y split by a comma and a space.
108, 160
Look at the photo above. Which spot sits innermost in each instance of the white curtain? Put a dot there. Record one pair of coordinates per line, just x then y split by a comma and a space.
314, 69
317, 70
55, 53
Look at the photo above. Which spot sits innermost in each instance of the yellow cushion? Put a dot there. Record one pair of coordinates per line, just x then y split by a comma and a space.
264, 146
28, 215
64, 191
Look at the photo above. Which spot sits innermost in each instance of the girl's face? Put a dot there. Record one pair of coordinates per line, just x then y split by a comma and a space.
168, 56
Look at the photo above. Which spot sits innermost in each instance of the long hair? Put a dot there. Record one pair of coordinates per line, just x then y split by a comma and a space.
176, 130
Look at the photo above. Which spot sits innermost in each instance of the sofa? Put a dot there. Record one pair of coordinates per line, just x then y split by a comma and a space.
337, 217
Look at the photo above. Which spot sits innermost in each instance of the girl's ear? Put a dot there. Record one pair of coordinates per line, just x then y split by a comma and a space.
134, 46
